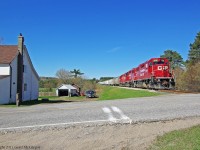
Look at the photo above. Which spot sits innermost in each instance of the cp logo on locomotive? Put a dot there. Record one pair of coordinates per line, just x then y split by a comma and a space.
162, 67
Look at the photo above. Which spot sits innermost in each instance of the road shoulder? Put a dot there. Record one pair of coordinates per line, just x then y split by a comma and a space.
115, 136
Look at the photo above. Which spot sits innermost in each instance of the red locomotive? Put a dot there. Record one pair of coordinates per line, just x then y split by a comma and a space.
154, 74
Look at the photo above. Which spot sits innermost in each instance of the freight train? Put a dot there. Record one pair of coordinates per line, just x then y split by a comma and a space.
153, 74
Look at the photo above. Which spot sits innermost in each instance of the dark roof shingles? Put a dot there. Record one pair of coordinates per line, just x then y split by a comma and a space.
7, 53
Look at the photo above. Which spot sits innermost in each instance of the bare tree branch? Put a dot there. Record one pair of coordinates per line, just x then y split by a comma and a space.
63, 75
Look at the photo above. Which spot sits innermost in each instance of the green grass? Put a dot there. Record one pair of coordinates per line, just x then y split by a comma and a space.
111, 93
104, 93
47, 100
11, 105
187, 139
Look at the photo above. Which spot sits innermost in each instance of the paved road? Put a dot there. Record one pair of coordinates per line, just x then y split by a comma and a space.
128, 110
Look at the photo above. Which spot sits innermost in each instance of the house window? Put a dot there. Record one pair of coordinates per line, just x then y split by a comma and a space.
24, 68
25, 87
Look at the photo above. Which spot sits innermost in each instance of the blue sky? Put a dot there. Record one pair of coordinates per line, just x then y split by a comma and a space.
99, 37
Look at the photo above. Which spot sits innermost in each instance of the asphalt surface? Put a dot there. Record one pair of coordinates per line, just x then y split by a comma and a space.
165, 107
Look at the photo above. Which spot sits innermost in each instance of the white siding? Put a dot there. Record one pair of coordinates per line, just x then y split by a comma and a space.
30, 79
13, 80
7, 94
35, 87
4, 90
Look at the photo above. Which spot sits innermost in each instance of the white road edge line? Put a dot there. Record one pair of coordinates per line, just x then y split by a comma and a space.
56, 124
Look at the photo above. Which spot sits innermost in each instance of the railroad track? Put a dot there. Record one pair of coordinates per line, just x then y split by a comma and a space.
177, 91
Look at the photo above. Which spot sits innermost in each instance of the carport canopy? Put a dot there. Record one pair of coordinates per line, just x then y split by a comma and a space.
64, 90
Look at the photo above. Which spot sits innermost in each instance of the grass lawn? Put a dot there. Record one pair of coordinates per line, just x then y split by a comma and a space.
47, 100
187, 139
111, 93
103, 92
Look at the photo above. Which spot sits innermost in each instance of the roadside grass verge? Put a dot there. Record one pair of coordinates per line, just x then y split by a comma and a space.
111, 93
187, 139
29, 103
64, 98
48, 100
10, 105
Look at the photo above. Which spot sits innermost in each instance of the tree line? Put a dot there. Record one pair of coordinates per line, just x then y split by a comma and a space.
186, 73
63, 76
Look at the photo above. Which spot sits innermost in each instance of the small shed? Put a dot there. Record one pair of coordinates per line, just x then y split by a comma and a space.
66, 90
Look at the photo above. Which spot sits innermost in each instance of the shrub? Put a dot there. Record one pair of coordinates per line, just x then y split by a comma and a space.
188, 80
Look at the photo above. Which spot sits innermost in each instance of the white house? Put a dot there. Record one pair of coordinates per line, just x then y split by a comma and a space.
17, 74
66, 90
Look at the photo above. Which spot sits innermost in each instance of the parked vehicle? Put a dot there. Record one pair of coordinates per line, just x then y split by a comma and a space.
90, 94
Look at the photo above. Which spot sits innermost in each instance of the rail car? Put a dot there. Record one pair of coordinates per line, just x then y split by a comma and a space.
153, 74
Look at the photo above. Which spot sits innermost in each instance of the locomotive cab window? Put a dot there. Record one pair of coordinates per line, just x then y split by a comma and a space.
156, 62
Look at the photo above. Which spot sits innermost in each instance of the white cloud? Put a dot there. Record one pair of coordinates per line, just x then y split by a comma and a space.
114, 50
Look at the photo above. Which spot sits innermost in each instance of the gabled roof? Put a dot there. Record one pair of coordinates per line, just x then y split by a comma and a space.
8, 53
66, 86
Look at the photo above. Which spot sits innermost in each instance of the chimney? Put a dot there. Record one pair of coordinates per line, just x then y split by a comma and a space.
20, 43
20, 69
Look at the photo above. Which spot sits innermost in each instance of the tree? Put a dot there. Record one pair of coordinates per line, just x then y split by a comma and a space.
44, 81
174, 57
89, 85
190, 79
76, 72
41, 83
49, 86
63, 75
194, 52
